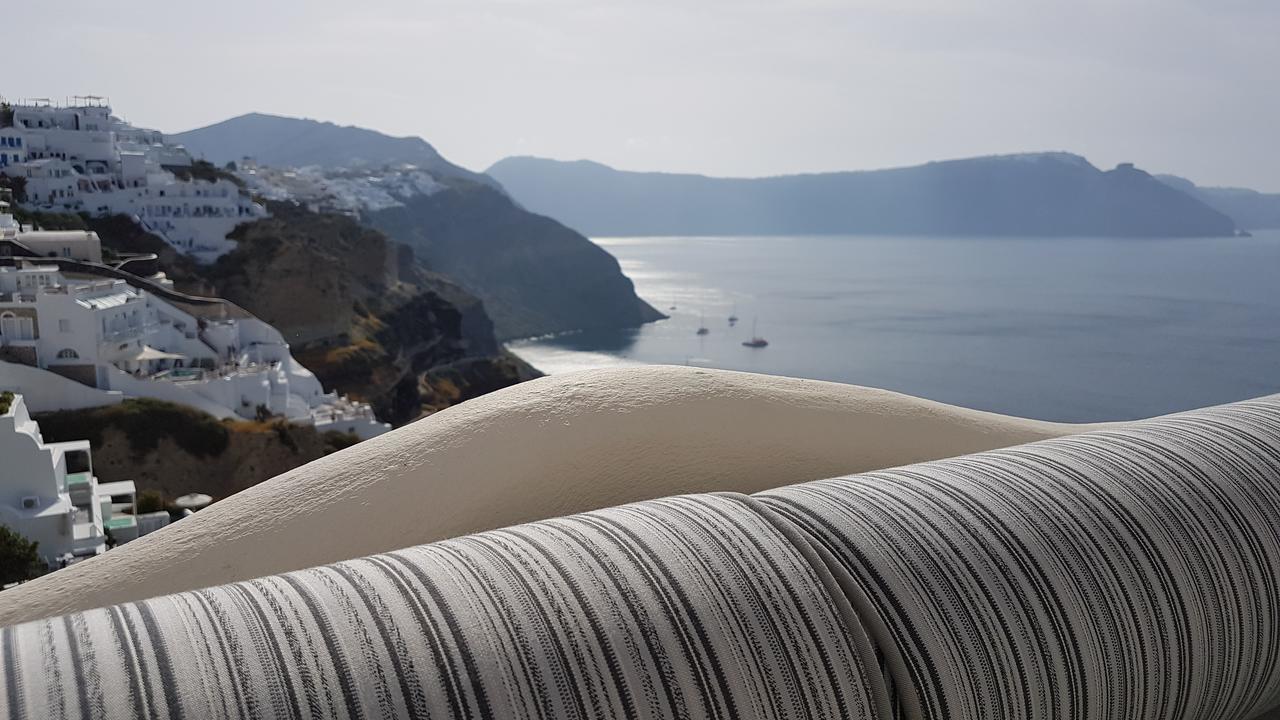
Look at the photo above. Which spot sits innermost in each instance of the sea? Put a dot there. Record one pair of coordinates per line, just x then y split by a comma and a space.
1066, 329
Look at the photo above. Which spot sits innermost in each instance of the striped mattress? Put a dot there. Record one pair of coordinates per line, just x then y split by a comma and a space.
1125, 574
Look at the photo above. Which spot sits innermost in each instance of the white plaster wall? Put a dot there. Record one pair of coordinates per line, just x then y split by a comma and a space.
302, 382
82, 335
77, 244
168, 338
363, 428
253, 330
80, 145
48, 529
240, 394
160, 390
545, 448
222, 335
28, 467
45, 391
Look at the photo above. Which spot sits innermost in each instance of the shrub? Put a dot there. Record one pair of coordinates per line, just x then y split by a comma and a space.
284, 431
335, 440
19, 559
149, 501
6, 399
144, 421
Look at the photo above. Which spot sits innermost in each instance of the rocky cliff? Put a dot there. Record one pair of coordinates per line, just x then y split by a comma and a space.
1250, 209
356, 308
535, 275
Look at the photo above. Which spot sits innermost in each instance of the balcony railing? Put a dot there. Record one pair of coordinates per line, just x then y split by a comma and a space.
129, 333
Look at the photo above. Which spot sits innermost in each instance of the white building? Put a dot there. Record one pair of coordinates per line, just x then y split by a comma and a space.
49, 494
52, 184
70, 244
348, 192
12, 146
9, 228
111, 337
82, 158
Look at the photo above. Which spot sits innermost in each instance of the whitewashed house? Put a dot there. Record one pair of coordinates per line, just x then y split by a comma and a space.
12, 146
82, 158
49, 494
109, 336
52, 184
75, 342
69, 244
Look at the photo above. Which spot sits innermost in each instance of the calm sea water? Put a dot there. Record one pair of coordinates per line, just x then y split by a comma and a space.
1060, 329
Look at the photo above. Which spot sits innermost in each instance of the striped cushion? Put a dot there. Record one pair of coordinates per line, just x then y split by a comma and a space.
1127, 574
696, 607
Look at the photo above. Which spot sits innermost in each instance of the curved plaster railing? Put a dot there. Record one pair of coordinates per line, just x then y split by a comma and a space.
544, 448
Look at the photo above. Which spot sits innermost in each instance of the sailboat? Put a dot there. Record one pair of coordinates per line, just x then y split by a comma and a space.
756, 341
702, 326
733, 317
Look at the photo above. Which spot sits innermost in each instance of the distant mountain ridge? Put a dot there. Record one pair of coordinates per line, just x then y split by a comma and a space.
1250, 209
1034, 194
298, 142
534, 275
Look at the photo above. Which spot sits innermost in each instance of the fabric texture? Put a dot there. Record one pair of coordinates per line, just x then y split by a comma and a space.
691, 607
1126, 574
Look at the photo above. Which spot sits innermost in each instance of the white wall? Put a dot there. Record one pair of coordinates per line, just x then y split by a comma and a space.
46, 391
540, 449
160, 390
82, 333
78, 244
29, 468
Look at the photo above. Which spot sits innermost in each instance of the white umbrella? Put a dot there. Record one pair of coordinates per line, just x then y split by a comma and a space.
193, 501
149, 353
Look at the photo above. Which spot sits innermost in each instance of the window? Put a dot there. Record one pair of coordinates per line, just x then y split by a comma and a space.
64, 325
68, 354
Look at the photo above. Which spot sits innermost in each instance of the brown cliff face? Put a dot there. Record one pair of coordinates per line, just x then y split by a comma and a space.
535, 275
174, 450
355, 307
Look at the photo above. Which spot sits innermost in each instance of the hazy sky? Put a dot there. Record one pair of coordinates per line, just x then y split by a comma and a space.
725, 87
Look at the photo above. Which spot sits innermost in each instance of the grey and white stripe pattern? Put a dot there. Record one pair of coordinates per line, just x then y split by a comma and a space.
1130, 574
692, 607
1127, 574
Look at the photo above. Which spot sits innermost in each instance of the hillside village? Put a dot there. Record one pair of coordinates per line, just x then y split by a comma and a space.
85, 324
81, 158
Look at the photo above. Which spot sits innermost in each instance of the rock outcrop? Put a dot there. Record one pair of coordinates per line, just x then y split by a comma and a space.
535, 275
355, 307
1250, 209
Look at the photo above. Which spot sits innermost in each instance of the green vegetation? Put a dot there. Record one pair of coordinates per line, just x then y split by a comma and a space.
335, 440
207, 171
144, 421
6, 399
19, 560
6, 115
284, 431
149, 501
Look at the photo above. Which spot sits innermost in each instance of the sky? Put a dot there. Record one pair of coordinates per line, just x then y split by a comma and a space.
719, 87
